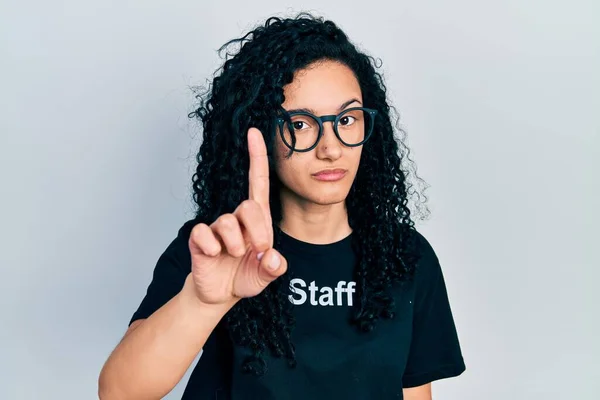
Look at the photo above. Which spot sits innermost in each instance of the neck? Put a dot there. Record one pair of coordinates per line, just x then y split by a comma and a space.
314, 223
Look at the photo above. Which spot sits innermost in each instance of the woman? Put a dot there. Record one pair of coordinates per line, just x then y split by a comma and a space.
302, 275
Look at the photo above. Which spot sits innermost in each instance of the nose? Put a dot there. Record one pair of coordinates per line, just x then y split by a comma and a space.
329, 146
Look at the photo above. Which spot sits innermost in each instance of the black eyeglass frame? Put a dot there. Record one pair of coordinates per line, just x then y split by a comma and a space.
322, 119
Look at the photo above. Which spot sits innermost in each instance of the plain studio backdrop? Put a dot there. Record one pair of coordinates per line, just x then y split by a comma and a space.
500, 102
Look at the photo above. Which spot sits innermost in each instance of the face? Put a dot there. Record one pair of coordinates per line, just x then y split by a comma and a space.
323, 88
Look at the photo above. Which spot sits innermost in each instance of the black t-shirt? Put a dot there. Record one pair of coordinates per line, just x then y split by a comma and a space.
334, 360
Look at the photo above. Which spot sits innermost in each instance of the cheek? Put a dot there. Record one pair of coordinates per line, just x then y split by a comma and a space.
280, 160
290, 169
287, 168
280, 150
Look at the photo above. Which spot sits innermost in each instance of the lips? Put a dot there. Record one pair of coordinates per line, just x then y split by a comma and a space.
330, 175
336, 171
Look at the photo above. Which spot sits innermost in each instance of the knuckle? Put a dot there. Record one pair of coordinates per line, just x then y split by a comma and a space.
249, 207
211, 250
227, 221
196, 232
246, 204
261, 241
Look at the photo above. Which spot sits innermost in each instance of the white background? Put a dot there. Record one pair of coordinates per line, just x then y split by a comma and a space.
500, 101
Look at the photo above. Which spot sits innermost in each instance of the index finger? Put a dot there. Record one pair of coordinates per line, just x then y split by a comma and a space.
258, 176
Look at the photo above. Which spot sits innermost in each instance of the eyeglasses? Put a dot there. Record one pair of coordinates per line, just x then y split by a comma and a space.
301, 131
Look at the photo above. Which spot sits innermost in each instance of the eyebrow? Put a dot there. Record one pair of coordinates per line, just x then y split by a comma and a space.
310, 110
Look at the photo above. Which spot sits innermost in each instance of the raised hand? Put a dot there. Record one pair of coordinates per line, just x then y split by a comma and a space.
234, 256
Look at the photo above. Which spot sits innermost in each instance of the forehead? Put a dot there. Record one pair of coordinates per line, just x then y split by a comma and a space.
322, 86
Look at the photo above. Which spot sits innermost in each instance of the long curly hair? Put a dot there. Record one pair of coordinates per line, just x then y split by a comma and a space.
247, 91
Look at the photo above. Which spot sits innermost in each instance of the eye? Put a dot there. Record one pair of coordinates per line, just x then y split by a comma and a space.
347, 120
299, 125
303, 123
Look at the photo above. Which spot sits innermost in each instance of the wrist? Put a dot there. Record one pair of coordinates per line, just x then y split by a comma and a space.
190, 300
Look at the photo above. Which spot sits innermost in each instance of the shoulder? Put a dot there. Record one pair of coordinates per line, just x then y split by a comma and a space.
168, 277
178, 251
427, 266
186, 229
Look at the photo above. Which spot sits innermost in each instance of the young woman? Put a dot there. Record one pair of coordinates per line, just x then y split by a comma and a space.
302, 275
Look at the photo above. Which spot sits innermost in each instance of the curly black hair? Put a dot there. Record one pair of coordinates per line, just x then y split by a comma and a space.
247, 91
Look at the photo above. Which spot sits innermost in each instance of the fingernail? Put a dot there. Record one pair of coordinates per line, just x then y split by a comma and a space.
275, 262
260, 255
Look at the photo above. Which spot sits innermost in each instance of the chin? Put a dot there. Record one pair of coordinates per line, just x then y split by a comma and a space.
321, 194
326, 201
321, 197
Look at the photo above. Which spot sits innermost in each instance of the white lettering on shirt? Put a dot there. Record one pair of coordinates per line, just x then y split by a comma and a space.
325, 293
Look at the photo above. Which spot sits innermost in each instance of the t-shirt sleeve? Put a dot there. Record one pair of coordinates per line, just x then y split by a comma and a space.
435, 351
171, 269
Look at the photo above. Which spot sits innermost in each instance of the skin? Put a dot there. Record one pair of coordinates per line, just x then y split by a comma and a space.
231, 258
315, 211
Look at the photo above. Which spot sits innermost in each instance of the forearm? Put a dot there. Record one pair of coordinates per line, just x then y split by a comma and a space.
418, 393
152, 358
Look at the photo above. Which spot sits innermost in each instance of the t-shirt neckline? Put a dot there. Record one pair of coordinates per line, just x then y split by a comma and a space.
291, 243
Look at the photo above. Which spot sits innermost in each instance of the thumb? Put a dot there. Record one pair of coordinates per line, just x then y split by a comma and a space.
272, 266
